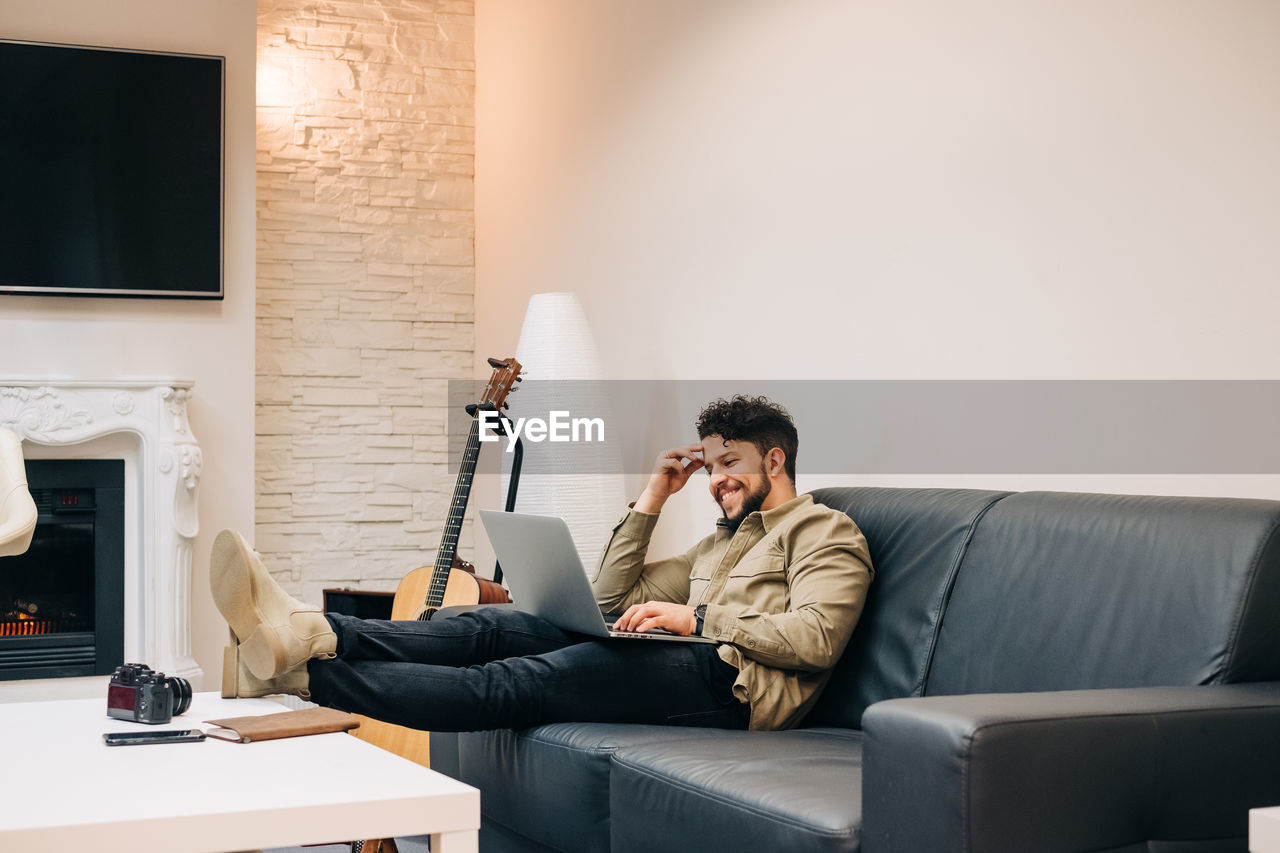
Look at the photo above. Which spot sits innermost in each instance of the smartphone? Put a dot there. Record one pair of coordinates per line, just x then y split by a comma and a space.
167, 736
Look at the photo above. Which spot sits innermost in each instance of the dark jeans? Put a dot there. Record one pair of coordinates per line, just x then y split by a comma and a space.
497, 668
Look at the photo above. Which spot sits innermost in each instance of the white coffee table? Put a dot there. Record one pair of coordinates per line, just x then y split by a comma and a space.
1264, 830
63, 789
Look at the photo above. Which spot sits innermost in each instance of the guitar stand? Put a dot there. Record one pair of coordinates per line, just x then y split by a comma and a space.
513, 484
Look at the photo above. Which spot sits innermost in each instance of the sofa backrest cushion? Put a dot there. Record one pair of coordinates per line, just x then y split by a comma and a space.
1059, 591
916, 538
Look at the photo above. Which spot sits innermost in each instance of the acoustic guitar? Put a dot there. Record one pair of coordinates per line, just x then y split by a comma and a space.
450, 581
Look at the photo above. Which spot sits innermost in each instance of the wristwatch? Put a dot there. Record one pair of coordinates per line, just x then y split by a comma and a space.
699, 613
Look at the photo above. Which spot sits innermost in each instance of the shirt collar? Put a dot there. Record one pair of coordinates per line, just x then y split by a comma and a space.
771, 518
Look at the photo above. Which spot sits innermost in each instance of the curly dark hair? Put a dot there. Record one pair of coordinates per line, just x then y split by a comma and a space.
755, 419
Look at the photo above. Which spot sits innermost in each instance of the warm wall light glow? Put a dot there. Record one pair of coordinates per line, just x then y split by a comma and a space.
277, 78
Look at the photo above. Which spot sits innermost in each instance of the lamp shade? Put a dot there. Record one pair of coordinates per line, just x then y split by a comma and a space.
581, 482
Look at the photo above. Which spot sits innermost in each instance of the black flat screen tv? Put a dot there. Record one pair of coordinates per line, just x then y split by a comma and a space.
111, 168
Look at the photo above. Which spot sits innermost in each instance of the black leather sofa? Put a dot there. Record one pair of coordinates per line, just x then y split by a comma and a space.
1035, 671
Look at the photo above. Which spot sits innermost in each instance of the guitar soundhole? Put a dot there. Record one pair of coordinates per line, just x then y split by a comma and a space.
427, 613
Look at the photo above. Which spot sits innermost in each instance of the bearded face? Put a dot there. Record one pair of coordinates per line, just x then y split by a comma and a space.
740, 482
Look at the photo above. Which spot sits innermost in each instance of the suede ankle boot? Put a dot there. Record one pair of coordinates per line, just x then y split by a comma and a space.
274, 633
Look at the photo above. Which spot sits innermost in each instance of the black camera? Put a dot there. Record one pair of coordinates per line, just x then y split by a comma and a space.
139, 693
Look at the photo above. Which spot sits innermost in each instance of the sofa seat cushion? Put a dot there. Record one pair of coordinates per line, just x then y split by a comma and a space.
551, 783
732, 790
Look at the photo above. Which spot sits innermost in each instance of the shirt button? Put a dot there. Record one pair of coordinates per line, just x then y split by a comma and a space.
751, 643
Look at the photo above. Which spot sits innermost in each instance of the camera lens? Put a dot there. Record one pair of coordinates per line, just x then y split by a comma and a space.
181, 689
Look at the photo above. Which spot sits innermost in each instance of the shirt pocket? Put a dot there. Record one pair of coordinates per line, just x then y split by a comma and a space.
700, 578
760, 580
761, 560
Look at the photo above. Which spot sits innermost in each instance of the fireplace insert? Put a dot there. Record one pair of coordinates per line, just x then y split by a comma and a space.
62, 602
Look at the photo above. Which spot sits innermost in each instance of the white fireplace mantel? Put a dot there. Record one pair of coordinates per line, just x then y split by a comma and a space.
64, 413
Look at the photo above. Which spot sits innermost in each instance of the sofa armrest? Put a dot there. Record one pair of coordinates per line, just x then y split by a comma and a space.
1073, 770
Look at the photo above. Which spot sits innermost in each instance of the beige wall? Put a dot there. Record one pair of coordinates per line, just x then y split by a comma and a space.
994, 189
210, 342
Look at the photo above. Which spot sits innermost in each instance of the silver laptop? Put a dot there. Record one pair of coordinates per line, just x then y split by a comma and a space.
541, 565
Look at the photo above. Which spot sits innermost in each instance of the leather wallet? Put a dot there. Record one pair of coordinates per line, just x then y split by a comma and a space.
309, 721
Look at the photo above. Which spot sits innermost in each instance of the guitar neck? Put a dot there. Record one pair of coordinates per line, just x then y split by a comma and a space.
453, 524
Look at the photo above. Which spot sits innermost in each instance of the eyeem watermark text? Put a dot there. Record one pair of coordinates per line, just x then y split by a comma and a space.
559, 427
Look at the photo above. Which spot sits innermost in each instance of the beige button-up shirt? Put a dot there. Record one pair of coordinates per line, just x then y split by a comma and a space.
783, 595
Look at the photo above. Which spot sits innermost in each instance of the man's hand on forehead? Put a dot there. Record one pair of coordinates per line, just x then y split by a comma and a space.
679, 462
692, 453
670, 473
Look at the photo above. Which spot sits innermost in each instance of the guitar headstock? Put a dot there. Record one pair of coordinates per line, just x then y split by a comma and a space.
506, 372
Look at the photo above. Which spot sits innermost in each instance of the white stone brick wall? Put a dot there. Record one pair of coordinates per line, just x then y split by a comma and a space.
365, 285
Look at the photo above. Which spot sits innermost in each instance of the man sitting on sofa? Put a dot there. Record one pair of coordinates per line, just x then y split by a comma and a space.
780, 585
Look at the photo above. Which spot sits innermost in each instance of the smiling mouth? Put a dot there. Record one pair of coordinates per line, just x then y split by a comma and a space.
727, 492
